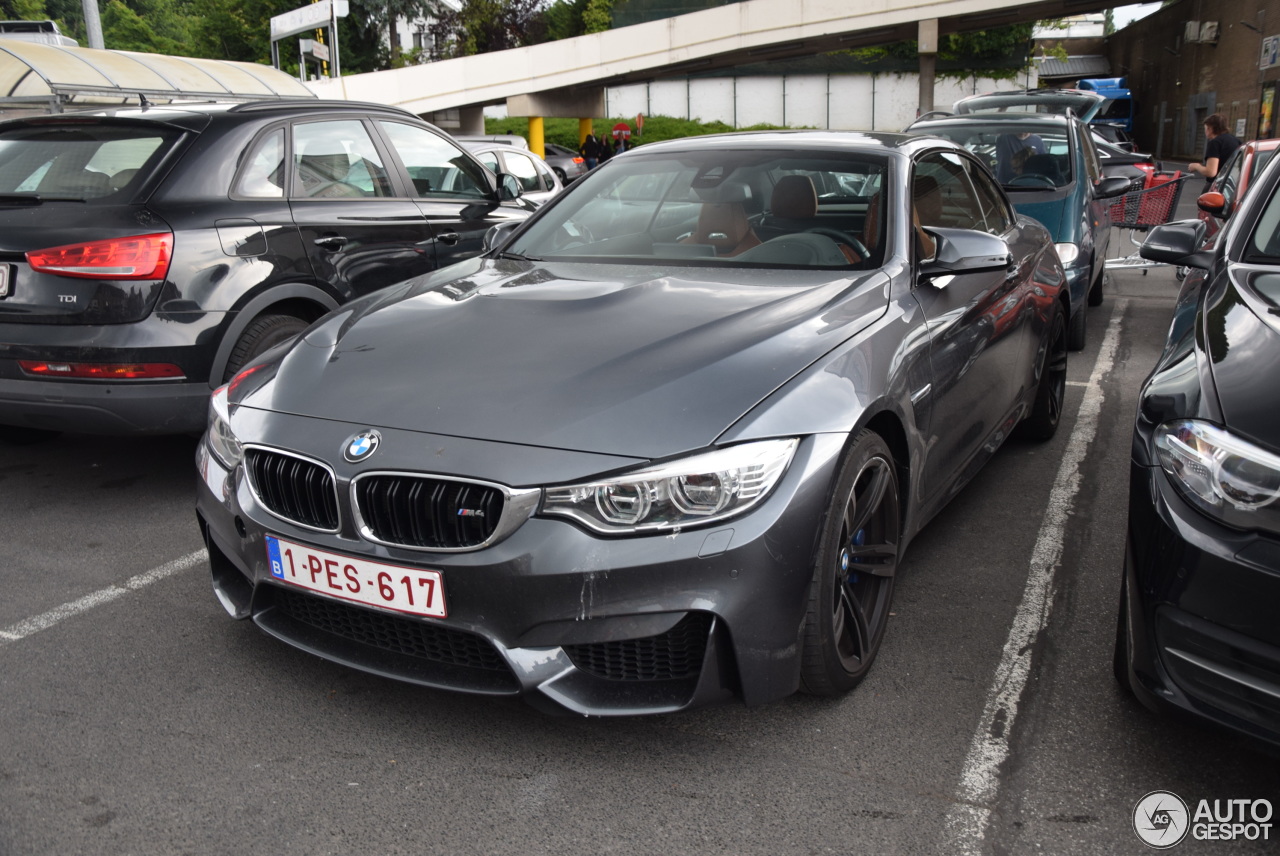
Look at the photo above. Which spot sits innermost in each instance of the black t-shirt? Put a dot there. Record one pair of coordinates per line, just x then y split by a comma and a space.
1221, 147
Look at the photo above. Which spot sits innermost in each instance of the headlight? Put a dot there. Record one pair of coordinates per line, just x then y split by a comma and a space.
219, 438
1067, 253
1228, 477
693, 491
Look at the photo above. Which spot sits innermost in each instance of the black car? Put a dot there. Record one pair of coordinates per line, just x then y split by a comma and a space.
1136, 167
664, 445
1199, 626
147, 254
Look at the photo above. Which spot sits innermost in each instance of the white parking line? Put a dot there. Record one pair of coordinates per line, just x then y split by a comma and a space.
967, 820
45, 620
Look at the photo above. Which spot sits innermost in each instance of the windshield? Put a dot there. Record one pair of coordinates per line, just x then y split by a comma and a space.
720, 207
80, 162
1021, 157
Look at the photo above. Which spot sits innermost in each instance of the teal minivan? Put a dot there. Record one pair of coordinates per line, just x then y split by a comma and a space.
1050, 168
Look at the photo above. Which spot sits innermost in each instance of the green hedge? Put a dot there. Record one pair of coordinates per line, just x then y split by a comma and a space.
564, 132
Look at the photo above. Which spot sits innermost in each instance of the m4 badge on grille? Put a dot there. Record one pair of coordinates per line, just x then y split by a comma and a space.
470, 512
361, 446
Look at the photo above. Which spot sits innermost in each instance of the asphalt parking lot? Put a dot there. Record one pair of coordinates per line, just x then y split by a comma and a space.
139, 719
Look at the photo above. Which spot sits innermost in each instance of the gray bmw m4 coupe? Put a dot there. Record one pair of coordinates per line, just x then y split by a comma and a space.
661, 445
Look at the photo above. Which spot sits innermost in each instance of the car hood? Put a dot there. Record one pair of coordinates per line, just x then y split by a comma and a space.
1242, 340
1049, 208
644, 362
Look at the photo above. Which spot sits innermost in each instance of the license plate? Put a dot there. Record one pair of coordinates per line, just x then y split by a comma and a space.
4, 281
412, 590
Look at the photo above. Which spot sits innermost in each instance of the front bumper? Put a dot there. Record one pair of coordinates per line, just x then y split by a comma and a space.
1202, 612
570, 620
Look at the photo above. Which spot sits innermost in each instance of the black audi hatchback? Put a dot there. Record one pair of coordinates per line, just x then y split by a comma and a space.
146, 254
1199, 625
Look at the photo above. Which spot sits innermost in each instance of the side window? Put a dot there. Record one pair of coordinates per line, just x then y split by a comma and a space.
489, 159
999, 219
438, 168
1229, 179
263, 174
941, 193
337, 160
523, 169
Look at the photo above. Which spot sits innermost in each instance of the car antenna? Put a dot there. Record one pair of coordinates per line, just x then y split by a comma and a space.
142, 101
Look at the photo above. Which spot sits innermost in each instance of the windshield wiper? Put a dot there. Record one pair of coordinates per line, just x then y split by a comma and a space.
517, 257
20, 199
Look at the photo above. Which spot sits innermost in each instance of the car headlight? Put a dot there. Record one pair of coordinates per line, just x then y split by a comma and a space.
220, 439
1229, 478
1067, 253
692, 491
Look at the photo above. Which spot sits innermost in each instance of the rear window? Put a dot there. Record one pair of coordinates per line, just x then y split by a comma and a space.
80, 162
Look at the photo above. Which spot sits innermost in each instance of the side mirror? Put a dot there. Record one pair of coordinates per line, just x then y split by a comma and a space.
497, 235
1213, 203
1111, 186
1177, 243
508, 187
965, 251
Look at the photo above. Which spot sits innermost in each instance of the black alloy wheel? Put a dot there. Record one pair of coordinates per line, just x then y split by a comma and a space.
1051, 393
852, 583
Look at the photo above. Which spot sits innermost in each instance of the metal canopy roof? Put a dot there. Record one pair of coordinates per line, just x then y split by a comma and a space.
64, 77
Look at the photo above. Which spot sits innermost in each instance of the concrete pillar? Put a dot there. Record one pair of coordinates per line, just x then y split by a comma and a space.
584, 130
927, 41
537, 137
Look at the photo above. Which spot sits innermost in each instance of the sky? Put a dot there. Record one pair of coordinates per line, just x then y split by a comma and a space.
1125, 15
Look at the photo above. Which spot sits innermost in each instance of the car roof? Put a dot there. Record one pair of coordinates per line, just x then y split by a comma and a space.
1037, 95
869, 142
1047, 121
196, 114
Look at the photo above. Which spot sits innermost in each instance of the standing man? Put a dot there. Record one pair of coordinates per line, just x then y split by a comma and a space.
590, 151
1220, 147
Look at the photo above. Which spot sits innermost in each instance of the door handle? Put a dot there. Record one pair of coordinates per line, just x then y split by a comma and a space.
332, 243
449, 238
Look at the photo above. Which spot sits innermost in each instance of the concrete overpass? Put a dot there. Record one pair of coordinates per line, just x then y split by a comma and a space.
566, 78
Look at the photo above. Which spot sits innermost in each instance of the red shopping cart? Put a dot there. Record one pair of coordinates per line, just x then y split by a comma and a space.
1139, 210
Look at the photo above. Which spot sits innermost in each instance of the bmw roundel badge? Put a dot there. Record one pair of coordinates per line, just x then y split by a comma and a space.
361, 446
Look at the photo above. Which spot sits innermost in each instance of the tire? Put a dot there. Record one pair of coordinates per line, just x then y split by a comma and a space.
1042, 422
849, 605
1095, 289
1076, 333
262, 334
560, 174
1120, 656
15, 435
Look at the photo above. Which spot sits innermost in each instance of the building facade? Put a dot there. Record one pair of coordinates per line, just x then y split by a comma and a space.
1194, 58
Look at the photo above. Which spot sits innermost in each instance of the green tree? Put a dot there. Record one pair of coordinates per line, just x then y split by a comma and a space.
482, 26
598, 16
125, 30
23, 10
387, 14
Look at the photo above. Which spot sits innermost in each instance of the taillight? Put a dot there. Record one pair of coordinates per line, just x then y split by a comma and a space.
579, 160
101, 371
134, 257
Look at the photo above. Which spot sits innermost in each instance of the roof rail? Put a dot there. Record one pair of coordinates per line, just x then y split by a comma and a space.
932, 114
266, 105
